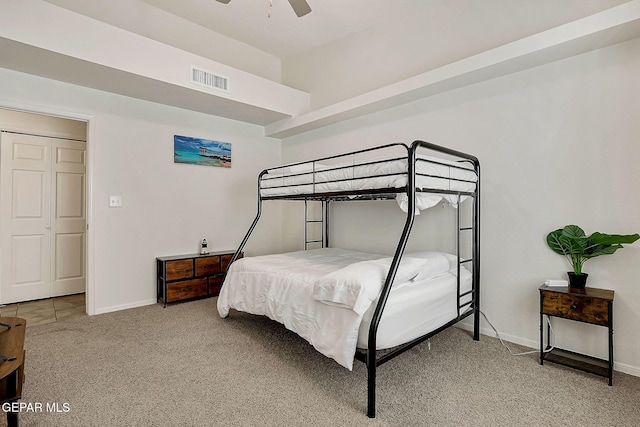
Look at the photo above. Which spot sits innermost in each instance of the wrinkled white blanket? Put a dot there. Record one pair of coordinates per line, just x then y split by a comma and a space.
320, 294
357, 285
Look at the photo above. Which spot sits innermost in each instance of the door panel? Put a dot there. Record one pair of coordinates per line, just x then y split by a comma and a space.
71, 266
69, 196
29, 196
71, 154
69, 218
24, 150
25, 180
29, 260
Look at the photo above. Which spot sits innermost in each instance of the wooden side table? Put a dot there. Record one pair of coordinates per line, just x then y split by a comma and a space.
12, 355
589, 305
187, 277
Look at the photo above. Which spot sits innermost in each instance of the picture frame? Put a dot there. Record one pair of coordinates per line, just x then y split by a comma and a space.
199, 151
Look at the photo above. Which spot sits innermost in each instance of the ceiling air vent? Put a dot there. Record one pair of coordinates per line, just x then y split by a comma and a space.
210, 80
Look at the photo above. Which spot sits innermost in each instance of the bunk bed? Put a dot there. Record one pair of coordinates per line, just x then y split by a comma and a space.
358, 306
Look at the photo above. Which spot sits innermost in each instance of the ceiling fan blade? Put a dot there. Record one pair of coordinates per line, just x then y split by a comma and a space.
300, 7
224, 1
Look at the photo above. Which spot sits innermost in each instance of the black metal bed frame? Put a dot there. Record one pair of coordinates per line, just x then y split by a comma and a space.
369, 356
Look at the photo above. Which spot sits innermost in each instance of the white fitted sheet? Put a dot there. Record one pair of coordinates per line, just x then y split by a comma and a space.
313, 178
417, 309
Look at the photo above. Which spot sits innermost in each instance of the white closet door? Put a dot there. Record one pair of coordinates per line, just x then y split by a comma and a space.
25, 223
68, 214
43, 217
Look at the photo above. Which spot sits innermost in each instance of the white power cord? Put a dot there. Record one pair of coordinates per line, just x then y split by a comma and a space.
507, 347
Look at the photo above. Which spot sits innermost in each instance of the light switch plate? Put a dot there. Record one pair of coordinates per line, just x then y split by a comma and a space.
115, 201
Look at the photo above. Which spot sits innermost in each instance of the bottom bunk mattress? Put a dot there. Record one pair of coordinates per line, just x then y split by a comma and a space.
327, 296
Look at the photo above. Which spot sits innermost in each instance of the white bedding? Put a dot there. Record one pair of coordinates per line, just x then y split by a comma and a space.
311, 177
323, 294
416, 309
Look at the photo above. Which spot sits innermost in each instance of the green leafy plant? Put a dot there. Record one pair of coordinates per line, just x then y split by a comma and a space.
572, 242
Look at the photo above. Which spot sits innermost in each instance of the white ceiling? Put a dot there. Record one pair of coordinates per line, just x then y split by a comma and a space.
282, 34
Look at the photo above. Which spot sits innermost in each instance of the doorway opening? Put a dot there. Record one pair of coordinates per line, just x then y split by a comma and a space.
43, 220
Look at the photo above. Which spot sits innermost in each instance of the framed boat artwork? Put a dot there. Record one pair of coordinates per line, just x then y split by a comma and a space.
198, 151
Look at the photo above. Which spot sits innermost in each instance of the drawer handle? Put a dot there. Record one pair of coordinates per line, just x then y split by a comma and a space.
573, 306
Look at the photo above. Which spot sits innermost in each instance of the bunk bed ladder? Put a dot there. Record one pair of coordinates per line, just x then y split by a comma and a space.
474, 260
461, 261
311, 220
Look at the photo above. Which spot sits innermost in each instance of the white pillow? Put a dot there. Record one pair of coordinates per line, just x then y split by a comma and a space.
438, 263
357, 285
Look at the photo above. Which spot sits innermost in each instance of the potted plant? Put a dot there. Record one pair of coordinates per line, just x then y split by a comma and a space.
572, 242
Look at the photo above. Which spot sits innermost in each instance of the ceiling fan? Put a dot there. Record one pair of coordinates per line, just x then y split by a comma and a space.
300, 7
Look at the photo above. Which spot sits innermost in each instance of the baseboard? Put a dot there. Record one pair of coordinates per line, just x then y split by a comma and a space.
627, 369
125, 306
534, 345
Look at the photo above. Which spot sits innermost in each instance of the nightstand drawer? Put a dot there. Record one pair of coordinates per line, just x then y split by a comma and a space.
215, 284
180, 269
576, 307
226, 259
186, 289
207, 266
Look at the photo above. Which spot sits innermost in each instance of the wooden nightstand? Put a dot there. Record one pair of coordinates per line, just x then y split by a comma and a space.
590, 305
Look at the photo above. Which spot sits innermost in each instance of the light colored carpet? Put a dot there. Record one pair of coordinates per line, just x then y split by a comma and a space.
185, 366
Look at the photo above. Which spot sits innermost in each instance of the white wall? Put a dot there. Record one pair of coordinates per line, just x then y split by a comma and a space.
558, 145
167, 208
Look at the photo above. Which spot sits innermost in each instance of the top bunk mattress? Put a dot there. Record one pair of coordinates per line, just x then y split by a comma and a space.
435, 178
